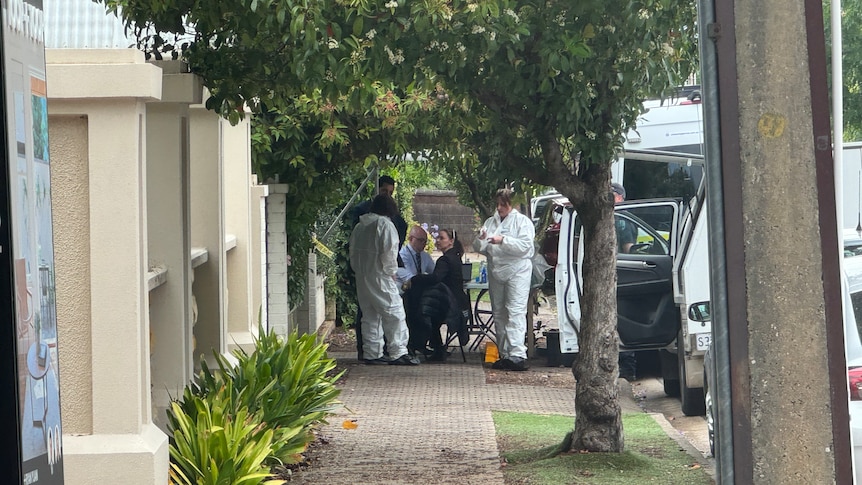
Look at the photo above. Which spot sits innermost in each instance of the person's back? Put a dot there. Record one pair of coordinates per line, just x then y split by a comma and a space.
368, 250
373, 257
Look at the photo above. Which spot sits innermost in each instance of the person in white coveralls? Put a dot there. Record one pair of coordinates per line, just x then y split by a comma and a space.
374, 259
506, 239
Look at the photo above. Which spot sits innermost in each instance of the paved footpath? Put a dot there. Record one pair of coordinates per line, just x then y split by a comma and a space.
426, 423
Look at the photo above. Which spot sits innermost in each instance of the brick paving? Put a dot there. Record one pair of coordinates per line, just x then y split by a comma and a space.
428, 423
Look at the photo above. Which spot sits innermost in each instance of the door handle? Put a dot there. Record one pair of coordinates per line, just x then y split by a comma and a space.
636, 264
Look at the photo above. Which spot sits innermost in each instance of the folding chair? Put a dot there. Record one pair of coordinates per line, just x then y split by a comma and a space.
466, 316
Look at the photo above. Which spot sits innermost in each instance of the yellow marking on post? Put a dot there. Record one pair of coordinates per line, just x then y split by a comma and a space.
771, 125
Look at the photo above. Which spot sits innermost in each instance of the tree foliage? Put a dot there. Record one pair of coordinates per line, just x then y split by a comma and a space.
542, 91
556, 84
323, 149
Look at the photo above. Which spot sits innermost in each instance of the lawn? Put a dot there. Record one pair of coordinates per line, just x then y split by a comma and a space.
529, 443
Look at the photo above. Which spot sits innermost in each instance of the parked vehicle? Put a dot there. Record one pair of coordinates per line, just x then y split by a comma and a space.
548, 234
852, 243
539, 202
665, 271
852, 310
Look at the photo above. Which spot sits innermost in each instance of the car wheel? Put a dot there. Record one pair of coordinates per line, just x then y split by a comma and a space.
669, 373
710, 419
691, 398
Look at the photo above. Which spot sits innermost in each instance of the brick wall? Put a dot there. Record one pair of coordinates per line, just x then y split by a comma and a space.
441, 207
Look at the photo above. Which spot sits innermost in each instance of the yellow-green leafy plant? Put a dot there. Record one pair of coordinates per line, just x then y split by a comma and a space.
285, 383
288, 381
212, 445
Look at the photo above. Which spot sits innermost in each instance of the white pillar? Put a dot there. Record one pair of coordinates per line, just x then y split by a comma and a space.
278, 305
207, 212
169, 234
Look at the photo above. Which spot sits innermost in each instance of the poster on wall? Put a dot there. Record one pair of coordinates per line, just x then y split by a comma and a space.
28, 159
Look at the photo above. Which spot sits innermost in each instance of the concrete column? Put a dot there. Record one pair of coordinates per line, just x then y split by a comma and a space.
107, 422
241, 309
789, 384
278, 305
258, 252
169, 238
311, 311
207, 212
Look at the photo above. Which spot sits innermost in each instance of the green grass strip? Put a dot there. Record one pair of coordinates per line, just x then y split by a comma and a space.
530, 445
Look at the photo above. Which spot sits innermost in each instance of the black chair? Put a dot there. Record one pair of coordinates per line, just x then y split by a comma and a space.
460, 333
428, 306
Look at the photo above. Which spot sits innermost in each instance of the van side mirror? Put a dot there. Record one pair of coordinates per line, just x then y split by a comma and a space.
699, 312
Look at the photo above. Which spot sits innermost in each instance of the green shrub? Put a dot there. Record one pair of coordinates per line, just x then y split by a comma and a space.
288, 382
283, 387
214, 446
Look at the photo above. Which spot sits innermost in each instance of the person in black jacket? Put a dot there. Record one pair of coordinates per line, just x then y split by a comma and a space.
441, 299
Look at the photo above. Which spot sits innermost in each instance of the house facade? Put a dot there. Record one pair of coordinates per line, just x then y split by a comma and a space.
163, 251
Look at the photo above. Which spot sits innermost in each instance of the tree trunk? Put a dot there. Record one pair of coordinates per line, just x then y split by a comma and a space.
598, 422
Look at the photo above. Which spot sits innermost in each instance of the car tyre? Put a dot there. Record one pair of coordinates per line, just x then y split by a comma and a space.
669, 373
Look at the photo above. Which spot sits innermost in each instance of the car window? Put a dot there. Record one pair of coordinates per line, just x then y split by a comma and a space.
658, 217
851, 250
643, 238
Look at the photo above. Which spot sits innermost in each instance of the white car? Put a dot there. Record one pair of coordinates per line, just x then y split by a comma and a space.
852, 243
853, 349
852, 291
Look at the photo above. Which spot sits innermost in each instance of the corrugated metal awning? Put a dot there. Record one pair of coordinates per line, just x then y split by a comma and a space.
83, 24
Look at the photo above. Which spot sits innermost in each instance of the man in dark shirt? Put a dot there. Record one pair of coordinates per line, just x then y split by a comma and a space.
627, 233
385, 185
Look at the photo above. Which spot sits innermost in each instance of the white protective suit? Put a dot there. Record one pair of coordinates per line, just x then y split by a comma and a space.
374, 259
509, 272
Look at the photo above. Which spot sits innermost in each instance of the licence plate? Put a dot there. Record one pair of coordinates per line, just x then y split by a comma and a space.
702, 341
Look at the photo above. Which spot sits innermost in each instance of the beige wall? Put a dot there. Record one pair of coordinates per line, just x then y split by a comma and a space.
144, 178
207, 230
169, 253
241, 311
109, 428
70, 200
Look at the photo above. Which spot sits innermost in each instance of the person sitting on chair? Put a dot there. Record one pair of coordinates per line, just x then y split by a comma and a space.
442, 298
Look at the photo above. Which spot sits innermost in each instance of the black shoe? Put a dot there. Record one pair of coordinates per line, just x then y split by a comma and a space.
438, 356
502, 364
518, 365
377, 361
404, 360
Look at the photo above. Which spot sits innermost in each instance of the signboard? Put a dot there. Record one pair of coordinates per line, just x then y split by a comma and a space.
29, 249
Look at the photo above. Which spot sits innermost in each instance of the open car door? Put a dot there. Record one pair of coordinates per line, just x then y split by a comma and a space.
646, 314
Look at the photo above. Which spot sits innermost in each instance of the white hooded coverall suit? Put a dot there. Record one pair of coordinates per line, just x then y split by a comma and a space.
374, 259
509, 272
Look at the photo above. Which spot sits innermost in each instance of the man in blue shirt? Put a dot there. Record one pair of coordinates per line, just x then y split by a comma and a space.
416, 259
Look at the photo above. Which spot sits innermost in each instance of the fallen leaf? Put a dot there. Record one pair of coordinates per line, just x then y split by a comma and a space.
349, 424
695, 466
